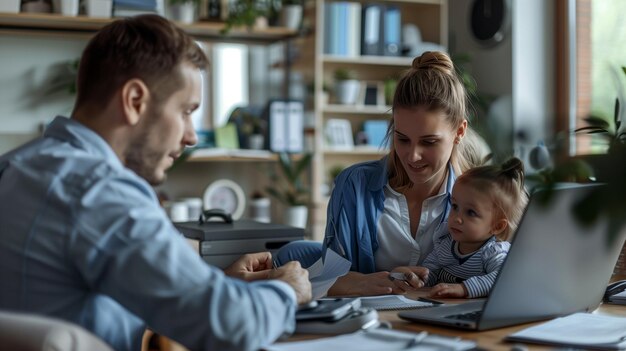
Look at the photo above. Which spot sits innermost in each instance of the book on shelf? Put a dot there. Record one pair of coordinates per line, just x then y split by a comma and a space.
392, 45
578, 330
286, 125
342, 29
136, 4
129, 8
381, 27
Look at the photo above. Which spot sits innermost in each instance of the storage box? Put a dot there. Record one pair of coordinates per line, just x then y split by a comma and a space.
220, 244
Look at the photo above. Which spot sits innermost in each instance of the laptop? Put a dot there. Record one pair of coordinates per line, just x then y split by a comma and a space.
556, 266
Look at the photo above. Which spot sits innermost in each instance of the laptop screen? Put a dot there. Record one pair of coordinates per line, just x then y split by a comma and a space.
557, 265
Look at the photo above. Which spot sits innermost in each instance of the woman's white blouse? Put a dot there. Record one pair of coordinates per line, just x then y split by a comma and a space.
397, 247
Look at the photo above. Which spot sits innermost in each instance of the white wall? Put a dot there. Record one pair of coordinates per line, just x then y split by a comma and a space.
533, 70
27, 64
519, 72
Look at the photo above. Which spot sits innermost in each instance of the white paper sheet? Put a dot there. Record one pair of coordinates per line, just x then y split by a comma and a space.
392, 302
376, 340
324, 273
578, 329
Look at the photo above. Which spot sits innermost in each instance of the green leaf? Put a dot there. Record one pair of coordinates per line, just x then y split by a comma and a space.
591, 129
303, 164
289, 188
597, 122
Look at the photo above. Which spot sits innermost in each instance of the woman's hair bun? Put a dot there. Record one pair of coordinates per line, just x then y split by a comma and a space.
434, 60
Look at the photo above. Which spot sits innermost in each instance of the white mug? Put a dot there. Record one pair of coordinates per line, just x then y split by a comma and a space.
260, 210
194, 207
177, 211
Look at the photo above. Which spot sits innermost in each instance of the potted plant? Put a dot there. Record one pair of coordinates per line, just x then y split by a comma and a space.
289, 189
291, 14
248, 13
183, 11
390, 89
346, 86
250, 127
609, 168
43, 6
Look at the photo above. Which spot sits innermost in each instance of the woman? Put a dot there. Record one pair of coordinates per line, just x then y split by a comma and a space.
385, 213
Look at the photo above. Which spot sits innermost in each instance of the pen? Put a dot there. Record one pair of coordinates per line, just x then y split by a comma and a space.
434, 302
397, 276
417, 339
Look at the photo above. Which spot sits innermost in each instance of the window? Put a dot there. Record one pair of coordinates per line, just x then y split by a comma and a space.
592, 35
231, 80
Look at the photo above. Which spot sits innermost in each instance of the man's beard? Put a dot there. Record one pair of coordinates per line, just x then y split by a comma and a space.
143, 160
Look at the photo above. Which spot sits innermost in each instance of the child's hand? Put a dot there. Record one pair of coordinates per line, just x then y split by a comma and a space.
448, 290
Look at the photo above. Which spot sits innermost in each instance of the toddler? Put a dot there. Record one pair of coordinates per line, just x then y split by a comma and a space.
487, 202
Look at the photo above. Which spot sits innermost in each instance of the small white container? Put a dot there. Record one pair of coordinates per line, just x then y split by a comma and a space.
296, 216
260, 210
178, 211
66, 7
99, 8
10, 6
194, 207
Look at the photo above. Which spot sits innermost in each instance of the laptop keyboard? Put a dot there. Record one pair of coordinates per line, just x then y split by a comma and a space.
469, 316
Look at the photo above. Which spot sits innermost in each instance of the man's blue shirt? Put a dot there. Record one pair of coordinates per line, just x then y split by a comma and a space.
83, 238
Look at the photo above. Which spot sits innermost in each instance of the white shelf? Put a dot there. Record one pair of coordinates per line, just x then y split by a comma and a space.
370, 60
231, 155
357, 151
357, 109
51, 23
415, 2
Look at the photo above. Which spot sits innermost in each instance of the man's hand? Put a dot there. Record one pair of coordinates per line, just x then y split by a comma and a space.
413, 277
296, 276
448, 290
251, 267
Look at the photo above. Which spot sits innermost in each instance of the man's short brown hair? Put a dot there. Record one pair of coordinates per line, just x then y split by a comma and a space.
147, 47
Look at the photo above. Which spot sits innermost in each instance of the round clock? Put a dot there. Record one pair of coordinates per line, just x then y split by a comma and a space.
489, 21
226, 195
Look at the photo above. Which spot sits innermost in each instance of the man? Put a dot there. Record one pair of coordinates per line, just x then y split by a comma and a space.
83, 237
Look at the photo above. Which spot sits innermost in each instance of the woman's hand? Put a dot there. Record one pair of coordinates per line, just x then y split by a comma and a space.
448, 290
415, 277
359, 284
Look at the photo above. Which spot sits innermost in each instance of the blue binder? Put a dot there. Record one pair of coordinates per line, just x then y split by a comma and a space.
372, 29
392, 29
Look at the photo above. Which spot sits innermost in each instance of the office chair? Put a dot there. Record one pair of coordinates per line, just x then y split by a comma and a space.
29, 332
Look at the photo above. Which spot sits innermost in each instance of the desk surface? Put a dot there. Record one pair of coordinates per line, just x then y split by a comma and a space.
488, 340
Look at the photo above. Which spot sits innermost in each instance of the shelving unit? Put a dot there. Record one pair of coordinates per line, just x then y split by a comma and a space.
192, 176
46, 24
431, 17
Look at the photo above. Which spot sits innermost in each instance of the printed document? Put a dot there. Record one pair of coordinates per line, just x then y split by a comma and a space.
325, 272
586, 330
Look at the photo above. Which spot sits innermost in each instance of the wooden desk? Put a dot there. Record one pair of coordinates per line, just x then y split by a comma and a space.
490, 339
